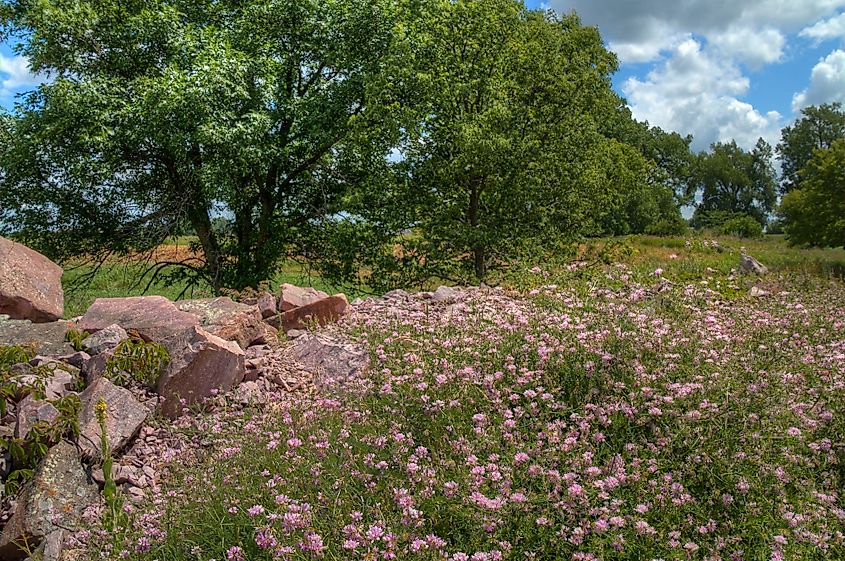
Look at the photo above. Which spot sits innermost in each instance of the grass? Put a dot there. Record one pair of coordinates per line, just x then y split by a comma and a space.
696, 258
116, 280
596, 413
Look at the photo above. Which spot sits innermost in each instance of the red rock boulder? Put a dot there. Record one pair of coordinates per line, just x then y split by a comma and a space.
30, 284
200, 366
321, 312
227, 319
124, 417
291, 296
53, 499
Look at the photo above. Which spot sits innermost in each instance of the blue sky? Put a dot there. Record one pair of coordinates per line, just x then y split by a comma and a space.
721, 69
716, 69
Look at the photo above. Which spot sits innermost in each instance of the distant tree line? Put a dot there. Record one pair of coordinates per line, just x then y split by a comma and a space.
386, 141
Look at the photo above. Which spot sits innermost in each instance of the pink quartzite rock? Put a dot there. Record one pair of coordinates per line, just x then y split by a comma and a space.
46, 339
105, 339
291, 296
267, 304
334, 362
200, 365
54, 498
154, 318
30, 284
322, 311
227, 319
124, 417
31, 411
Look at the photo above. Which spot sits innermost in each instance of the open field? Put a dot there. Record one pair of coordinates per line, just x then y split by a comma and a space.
595, 413
690, 258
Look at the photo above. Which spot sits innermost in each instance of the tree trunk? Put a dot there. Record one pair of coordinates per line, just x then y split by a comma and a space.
201, 222
478, 252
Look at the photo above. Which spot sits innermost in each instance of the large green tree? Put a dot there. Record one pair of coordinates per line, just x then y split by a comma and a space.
167, 113
735, 182
814, 214
817, 128
673, 162
509, 153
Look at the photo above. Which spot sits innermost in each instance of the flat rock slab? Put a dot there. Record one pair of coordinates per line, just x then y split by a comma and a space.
30, 284
334, 362
201, 365
155, 318
322, 312
445, 294
292, 296
48, 339
227, 319
54, 498
124, 417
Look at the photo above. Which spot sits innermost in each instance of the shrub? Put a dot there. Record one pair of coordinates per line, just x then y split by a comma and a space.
135, 360
673, 226
741, 227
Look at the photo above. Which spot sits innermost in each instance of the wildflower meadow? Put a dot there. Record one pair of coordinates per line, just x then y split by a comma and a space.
613, 416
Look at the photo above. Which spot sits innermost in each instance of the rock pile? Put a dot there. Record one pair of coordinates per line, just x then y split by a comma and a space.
214, 346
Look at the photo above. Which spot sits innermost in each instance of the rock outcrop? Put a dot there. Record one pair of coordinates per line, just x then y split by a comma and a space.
226, 319
749, 265
47, 339
30, 284
215, 347
106, 339
291, 296
320, 312
330, 359
31, 411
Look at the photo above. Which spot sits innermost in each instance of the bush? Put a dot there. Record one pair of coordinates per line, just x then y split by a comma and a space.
138, 361
673, 226
741, 227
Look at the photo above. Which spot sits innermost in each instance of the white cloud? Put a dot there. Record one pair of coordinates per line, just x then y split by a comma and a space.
832, 28
755, 47
639, 30
827, 82
15, 75
695, 92
703, 53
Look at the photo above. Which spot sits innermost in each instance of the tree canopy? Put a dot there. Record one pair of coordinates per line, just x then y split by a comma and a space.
263, 112
404, 139
814, 214
817, 128
735, 182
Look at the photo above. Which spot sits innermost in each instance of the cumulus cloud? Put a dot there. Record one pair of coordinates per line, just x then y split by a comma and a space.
827, 82
702, 53
694, 92
15, 75
831, 28
638, 31
755, 47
